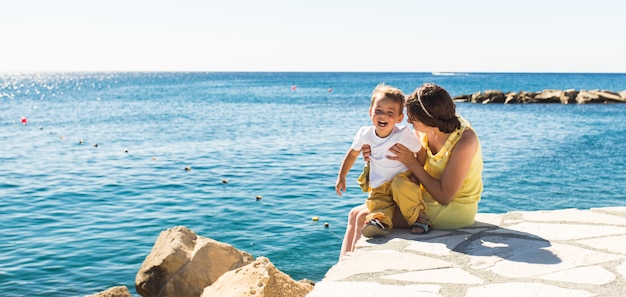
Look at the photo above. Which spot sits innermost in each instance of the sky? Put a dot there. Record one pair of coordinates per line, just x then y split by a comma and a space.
319, 35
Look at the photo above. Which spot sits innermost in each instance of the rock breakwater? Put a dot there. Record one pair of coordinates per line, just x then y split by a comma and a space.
546, 96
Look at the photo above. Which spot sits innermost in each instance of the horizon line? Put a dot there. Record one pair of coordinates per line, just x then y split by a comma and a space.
442, 73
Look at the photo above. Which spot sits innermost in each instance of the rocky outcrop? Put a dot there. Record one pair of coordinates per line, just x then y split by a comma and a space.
183, 264
546, 96
259, 279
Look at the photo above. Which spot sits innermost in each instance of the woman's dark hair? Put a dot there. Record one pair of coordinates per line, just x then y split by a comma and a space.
433, 106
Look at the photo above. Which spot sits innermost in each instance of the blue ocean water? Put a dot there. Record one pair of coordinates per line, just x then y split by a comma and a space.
98, 171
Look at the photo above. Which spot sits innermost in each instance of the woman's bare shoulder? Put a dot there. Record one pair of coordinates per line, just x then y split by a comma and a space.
468, 140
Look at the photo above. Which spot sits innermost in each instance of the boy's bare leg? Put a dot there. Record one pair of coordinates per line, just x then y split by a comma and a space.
356, 221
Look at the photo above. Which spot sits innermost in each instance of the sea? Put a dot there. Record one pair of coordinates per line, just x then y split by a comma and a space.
94, 166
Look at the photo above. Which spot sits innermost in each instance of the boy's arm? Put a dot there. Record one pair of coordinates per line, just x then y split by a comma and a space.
346, 165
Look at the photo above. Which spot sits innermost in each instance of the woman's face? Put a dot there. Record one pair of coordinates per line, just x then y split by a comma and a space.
417, 125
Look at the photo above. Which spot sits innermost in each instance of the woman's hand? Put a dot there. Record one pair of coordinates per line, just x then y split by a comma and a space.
403, 154
406, 157
366, 151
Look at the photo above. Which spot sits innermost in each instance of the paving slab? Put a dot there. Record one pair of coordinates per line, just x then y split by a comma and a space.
568, 252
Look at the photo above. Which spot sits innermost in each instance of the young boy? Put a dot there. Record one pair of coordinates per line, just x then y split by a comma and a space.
389, 184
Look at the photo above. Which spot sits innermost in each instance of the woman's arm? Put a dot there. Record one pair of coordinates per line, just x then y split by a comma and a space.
445, 189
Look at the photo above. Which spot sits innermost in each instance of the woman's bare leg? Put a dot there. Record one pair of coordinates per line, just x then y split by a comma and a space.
424, 220
398, 220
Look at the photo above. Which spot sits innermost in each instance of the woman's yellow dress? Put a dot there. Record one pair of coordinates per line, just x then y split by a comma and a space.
463, 208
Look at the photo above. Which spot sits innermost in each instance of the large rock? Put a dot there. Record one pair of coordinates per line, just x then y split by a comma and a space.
510, 97
259, 279
569, 96
608, 96
585, 96
182, 264
557, 96
119, 291
526, 97
549, 96
488, 96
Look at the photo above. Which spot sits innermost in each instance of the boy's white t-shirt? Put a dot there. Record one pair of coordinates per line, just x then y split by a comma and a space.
383, 169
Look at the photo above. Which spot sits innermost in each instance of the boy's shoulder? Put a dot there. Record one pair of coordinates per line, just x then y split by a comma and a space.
409, 138
366, 129
405, 130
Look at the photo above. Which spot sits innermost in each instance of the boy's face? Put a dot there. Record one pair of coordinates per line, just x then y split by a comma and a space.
385, 114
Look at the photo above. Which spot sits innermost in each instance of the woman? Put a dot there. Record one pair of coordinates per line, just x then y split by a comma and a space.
449, 167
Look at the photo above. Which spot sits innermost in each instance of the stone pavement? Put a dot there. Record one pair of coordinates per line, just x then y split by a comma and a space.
566, 252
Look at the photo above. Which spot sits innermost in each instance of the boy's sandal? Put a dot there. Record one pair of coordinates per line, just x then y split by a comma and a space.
425, 226
374, 228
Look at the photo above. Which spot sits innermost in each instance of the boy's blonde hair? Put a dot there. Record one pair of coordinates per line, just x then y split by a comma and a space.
389, 92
